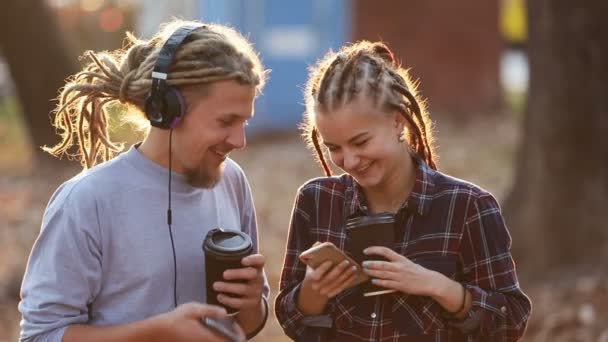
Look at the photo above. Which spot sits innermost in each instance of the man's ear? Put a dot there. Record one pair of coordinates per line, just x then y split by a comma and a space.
399, 121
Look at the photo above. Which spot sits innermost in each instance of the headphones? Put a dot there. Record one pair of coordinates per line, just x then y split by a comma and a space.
165, 106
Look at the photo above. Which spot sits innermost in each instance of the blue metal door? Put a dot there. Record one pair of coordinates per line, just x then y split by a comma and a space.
291, 36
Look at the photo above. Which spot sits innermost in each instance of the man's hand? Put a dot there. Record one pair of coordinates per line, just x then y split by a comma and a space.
185, 323
247, 294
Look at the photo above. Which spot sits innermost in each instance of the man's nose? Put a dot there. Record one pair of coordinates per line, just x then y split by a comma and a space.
237, 138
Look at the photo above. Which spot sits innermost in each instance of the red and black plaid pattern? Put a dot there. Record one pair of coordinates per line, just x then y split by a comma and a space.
447, 225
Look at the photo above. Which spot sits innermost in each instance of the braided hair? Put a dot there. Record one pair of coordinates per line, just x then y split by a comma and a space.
366, 69
210, 53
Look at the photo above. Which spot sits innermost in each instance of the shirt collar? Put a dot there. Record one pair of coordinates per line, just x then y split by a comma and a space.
419, 200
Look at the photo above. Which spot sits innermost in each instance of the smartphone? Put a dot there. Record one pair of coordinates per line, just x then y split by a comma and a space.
322, 252
224, 327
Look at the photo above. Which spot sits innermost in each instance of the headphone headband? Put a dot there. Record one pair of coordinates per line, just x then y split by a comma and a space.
165, 57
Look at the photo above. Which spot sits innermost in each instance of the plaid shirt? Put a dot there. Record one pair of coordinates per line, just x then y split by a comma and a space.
446, 225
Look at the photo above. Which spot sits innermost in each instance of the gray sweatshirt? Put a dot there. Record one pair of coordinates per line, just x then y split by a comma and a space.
104, 256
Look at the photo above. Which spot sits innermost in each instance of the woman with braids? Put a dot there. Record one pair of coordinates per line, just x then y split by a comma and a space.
450, 267
111, 263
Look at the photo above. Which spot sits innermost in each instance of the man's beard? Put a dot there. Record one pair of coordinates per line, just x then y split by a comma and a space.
204, 177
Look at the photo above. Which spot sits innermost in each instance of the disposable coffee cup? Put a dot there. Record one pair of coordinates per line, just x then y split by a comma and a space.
224, 249
367, 231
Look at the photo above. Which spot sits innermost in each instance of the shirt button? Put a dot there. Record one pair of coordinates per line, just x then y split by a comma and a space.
503, 309
373, 315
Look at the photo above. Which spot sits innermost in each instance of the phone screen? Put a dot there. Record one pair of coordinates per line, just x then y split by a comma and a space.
224, 327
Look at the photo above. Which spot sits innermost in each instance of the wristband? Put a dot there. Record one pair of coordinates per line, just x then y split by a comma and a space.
464, 301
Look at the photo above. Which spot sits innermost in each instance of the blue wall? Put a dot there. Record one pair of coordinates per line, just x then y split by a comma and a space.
291, 36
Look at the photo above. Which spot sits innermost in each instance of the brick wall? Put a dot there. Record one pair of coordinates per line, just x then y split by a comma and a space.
453, 47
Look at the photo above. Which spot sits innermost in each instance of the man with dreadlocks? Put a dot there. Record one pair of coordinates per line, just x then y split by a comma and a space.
102, 268
450, 267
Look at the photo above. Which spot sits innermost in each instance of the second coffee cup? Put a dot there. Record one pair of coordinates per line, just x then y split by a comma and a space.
367, 231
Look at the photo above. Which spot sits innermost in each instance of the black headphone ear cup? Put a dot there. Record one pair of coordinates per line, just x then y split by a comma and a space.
174, 105
154, 111
164, 105
166, 112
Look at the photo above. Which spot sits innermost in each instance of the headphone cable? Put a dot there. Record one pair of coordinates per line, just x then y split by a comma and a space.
169, 222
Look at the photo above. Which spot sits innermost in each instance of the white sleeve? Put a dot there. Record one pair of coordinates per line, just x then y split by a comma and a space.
63, 272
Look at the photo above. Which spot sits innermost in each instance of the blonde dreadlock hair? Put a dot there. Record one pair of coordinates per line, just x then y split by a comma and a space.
210, 53
370, 69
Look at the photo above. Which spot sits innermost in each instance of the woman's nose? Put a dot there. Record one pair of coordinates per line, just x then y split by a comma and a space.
351, 160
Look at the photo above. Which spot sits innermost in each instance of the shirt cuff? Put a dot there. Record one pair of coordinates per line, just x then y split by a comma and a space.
481, 299
321, 321
468, 324
481, 302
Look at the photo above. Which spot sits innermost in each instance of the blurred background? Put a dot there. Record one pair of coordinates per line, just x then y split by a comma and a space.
518, 93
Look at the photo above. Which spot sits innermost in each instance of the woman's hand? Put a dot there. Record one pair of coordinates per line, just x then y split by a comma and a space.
329, 280
323, 283
399, 273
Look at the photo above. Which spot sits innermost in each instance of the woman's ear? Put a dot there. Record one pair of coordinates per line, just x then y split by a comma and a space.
401, 124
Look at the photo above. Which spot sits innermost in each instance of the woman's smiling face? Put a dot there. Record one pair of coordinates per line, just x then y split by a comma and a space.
362, 140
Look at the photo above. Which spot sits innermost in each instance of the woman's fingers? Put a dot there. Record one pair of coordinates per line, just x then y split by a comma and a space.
387, 253
380, 274
381, 266
387, 283
334, 274
342, 286
318, 273
341, 283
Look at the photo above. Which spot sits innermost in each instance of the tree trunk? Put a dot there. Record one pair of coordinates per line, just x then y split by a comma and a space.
39, 62
557, 210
